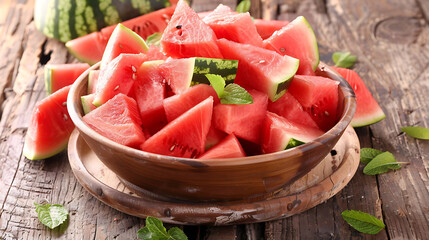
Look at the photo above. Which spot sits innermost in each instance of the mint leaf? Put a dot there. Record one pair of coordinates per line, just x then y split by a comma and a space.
367, 154
155, 230
234, 94
293, 143
243, 6
417, 132
217, 82
51, 216
363, 222
343, 59
154, 39
381, 164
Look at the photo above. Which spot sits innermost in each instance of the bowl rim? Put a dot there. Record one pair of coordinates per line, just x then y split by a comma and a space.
76, 113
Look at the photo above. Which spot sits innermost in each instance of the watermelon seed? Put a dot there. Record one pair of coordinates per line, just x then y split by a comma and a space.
134, 76
282, 49
134, 69
172, 148
64, 104
262, 61
116, 88
65, 117
178, 26
120, 45
326, 113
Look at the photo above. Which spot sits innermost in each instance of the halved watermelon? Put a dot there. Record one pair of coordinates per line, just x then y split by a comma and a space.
50, 127
318, 97
90, 48
58, 76
297, 40
259, 68
92, 80
266, 28
244, 121
237, 27
278, 132
188, 36
117, 77
229, 147
119, 120
186, 135
367, 109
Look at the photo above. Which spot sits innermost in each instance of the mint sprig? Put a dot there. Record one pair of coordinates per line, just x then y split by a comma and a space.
243, 6
367, 154
363, 222
51, 216
382, 163
343, 59
155, 230
416, 132
154, 39
231, 94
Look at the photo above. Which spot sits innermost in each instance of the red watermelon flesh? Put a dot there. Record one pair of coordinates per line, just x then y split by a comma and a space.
185, 136
244, 121
92, 80
50, 127
277, 131
229, 147
117, 77
237, 27
259, 68
149, 92
155, 53
119, 120
266, 28
178, 73
188, 36
288, 107
367, 109
214, 136
58, 76
318, 97
176, 105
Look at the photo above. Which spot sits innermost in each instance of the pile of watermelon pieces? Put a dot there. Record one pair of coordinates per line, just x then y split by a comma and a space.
158, 98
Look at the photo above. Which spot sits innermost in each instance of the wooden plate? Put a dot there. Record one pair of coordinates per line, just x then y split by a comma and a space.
320, 184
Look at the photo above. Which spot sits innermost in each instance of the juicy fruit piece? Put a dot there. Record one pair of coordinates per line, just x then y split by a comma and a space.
154, 53
266, 28
297, 40
214, 136
122, 40
118, 120
229, 147
176, 105
288, 107
278, 132
117, 77
58, 76
87, 103
186, 135
259, 68
92, 80
237, 27
367, 109
177, 73
244, 121
50, 127
318, 97
188, 36
90, 48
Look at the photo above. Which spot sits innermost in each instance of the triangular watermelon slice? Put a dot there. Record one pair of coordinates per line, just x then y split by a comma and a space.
229, 147
367, 109
266, 28
58, 76
186, 135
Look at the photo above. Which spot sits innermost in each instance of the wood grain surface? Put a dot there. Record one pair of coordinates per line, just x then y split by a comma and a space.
390, 39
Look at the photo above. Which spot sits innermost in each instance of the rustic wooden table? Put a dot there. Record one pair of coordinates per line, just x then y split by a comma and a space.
391, 41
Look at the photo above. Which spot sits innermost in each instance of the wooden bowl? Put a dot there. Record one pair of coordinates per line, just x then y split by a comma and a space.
196, 180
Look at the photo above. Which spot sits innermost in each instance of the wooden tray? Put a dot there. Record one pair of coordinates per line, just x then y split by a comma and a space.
320, 184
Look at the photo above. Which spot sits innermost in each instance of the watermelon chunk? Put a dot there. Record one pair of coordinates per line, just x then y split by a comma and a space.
92, 80
297, 40
58, 76
87, 103
178, 73
367, 109
318, 97
266, 28
237, 27
259, 68
119, 120
117, 77
188, 36
50, 127
214, 136
244, 121
278, 131
186, 135
229, 147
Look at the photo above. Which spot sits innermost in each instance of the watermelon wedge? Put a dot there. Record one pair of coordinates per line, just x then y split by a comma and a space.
214, 136
229, 147
50, 127
367, 109
266, 28
58, 76
177, 73
87, 103
186, 135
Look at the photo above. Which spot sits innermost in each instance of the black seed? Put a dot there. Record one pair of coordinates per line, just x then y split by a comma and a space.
179, 26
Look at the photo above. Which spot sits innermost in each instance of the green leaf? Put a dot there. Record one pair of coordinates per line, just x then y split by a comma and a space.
217, 82
293, 143
417, 132
155, 230
381, 164
363, 222
367, 154
154, 39
51, 216
343, 59
234, 94
243, 6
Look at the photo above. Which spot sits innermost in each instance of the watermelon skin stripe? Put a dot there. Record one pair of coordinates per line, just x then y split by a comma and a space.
72, 23
225, 67
98, 15
50, 19
63, 12
111, 15
125, 9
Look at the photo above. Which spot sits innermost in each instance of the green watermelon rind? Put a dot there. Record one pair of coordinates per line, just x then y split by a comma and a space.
86, 101
374, 117
226, 68
48, 79
281, 80
31, 155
